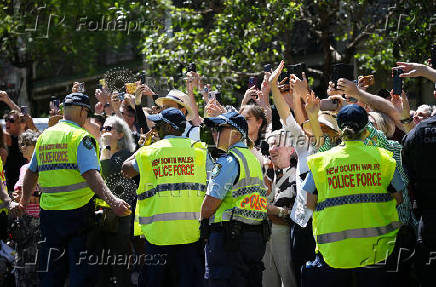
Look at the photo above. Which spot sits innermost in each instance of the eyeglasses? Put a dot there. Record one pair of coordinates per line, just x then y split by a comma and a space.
11, 120
106, 128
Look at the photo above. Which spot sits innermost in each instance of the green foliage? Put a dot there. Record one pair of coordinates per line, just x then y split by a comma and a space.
406, 36
63, 37
227, 43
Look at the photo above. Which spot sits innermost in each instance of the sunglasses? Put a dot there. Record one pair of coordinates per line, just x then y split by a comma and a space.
106, 128
11, 120
23, 144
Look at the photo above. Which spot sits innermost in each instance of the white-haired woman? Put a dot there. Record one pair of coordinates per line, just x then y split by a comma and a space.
113, 233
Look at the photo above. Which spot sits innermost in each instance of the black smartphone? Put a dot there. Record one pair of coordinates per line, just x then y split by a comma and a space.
267, 68
252, 81
155, 97
191, 68
433, 56
342, 71
397, 81
142, 78
297, 70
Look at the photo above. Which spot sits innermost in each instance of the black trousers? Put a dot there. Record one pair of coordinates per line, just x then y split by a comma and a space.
241, 268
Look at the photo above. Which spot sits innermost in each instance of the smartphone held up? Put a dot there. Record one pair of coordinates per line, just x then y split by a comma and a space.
397, 81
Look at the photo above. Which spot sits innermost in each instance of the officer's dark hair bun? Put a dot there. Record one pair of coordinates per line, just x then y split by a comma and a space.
350, 132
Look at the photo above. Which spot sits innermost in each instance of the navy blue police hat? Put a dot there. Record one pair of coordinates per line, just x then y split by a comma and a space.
77, 99
171, 116
233, 119
353, 116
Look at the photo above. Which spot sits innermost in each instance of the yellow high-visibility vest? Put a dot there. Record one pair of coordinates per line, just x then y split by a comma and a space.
355, 222
171, 190
246, 202
61, 184
4, 186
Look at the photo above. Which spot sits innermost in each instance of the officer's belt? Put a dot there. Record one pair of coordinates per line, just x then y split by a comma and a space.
357, 233
64, 188
172, 187
220, 227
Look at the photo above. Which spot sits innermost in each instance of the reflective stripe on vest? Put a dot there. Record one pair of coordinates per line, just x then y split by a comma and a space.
45, 167
357, 233
64, 188
354, 223
247, 200
169, 200
170, 217
62, 185
172, 187
354, 198
4, 186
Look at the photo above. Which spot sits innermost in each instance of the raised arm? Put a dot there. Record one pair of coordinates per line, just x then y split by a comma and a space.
413, 70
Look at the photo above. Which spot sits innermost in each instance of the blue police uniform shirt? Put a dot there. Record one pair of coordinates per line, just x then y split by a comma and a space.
223, 175
209, 161
192, 132
86, 158
396, 182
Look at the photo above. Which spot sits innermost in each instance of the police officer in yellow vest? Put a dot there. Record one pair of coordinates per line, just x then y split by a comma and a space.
171, 190
353, 190
234, 209
4, 203
65, 163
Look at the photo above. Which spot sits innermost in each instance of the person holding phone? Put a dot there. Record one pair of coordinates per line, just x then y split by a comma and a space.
418, 157
112, 233
29, 224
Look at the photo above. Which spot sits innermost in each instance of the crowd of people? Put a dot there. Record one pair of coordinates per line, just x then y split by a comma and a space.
283, 190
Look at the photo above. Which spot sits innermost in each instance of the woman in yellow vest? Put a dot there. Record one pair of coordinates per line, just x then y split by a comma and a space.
234, 209
351, 189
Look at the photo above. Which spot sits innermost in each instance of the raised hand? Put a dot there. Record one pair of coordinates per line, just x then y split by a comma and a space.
273, 79
299, 87
348, 88
4, 96
250, 94
214, 108
401, 104
75, 87
411, 70
312, 104
265, 87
